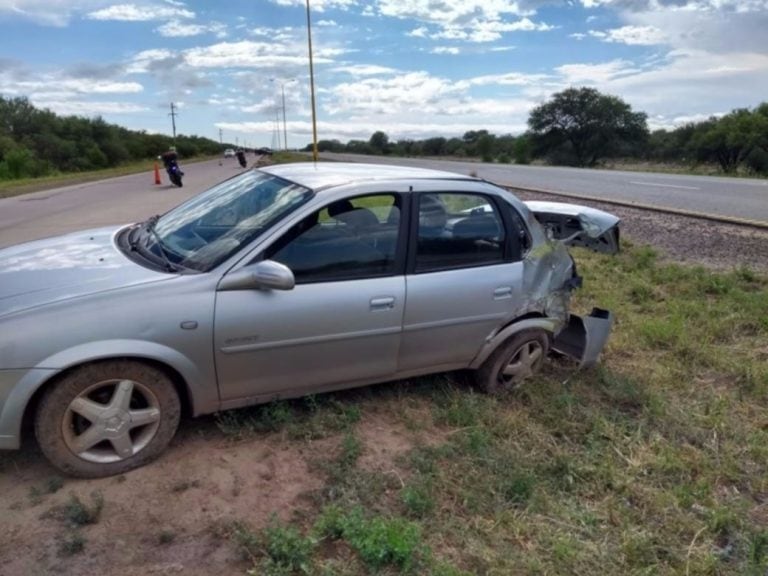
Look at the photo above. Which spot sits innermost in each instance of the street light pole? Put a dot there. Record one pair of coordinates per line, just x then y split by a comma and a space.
285, 128
312, 86
277, 112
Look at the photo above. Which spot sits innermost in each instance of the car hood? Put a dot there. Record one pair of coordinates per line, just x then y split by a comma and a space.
63, 267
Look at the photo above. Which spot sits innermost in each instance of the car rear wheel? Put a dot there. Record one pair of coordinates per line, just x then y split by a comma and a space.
514, 361
107, 418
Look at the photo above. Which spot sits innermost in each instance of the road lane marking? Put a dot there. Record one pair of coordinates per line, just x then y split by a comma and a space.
665, 185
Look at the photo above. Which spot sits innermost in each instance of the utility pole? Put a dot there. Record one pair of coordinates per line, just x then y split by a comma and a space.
277, 126
312, 86
285, 129
173, 115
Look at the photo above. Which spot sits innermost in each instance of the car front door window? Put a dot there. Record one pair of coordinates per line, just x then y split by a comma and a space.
349, 239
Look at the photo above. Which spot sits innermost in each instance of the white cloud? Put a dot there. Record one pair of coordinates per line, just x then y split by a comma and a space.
177, 29
47, 12
141, 62
134, 13
404, 93
68, 86
420, 32
364, 69
88, 107
469, 20
445, 50
319, 5
594, 73
327, 23
248, 54
507, 79
632, 35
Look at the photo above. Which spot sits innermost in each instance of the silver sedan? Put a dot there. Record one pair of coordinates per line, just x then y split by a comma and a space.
280, 282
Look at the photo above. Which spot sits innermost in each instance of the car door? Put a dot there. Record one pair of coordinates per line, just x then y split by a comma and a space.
342, 321
464, 278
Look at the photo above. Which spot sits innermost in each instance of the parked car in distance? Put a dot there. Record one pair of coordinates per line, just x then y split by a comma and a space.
229, 153
279, 282
263, 151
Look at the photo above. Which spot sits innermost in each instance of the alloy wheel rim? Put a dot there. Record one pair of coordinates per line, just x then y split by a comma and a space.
521, 364
111, 421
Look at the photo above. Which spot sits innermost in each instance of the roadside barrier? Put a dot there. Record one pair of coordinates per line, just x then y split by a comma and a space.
157, 174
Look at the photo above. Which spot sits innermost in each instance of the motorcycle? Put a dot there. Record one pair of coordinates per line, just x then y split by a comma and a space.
241, 158
174, 173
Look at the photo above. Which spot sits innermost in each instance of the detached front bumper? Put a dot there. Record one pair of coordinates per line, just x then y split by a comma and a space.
584, 338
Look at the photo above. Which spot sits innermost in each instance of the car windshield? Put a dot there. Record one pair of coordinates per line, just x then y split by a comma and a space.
209, 228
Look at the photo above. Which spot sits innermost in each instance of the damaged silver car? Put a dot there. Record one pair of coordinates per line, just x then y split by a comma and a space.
280, 282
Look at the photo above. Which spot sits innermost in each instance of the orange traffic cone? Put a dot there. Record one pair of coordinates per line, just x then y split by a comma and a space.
157, 174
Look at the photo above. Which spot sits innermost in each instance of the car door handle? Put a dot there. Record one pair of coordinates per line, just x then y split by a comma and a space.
502, 292
383, 303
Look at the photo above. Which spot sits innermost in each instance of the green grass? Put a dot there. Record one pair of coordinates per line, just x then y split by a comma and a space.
71, 544
76, 513
653, 462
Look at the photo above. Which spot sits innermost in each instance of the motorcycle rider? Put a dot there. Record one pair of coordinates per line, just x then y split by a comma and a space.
170, 157
241, 157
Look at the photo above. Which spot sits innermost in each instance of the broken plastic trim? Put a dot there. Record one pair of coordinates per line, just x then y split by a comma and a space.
583, 339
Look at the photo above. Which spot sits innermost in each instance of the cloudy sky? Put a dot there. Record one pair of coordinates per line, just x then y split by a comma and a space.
413, 68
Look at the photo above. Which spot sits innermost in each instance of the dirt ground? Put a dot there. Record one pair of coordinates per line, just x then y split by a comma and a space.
167, 517
171, 516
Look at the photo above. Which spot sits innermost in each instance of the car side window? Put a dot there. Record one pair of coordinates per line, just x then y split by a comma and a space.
349, 239
458, 231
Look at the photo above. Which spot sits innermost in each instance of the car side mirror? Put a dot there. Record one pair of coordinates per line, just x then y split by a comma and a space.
268, 274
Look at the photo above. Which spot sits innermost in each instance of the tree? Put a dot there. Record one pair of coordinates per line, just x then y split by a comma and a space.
734, 138
522, 150
485, 146
581, 126
379, 142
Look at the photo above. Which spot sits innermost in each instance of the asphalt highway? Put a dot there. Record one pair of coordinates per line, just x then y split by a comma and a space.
730, 197
135, 197
119, 200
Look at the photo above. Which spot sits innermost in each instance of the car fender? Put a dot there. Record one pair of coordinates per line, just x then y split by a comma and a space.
549, 325
203, 395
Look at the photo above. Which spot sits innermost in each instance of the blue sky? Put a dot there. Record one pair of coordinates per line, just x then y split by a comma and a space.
413, 68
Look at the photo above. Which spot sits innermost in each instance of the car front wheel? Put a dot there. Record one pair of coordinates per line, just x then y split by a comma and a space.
512, 362
107, 418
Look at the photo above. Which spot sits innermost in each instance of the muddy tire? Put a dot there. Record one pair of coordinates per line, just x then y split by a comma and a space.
512, 362
107, 418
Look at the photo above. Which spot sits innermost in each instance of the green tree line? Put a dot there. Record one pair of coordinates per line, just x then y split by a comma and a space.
35, 142
582, 127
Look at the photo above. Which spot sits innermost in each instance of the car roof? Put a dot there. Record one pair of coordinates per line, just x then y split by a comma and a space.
317, 175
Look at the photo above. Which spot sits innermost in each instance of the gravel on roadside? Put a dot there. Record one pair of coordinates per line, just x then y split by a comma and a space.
683, 239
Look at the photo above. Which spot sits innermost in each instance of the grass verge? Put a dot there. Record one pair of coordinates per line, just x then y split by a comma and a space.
655, 462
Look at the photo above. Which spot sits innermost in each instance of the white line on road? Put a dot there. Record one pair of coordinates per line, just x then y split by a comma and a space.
665, 185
